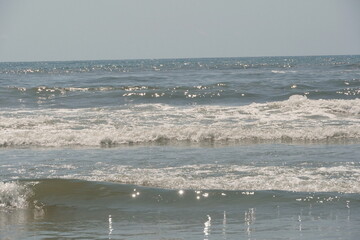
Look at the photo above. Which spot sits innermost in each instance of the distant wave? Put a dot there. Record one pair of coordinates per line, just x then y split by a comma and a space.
282, 71
121, 90
63, 90
156, 65
126, 66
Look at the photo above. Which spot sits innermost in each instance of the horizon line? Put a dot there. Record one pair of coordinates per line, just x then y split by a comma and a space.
176, 58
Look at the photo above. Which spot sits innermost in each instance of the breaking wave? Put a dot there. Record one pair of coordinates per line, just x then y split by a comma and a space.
80, 194
297, 119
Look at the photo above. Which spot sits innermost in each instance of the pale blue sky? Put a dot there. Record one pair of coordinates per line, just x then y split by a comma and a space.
44, 30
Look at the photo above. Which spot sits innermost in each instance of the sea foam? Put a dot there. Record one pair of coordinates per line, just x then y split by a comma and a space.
14, 195
236, 178
297, 119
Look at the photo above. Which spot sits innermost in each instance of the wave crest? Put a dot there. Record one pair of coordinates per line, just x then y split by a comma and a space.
297, 119
14, 195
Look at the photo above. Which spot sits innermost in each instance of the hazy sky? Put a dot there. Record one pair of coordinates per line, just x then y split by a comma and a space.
41, 30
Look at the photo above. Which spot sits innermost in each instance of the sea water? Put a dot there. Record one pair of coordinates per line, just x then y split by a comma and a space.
222, 148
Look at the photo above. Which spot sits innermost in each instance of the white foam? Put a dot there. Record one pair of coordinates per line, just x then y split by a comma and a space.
14, 195
282, 71
245, 178
276, 71
296, 119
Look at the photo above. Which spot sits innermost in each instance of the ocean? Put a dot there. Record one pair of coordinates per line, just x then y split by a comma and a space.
215, 148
